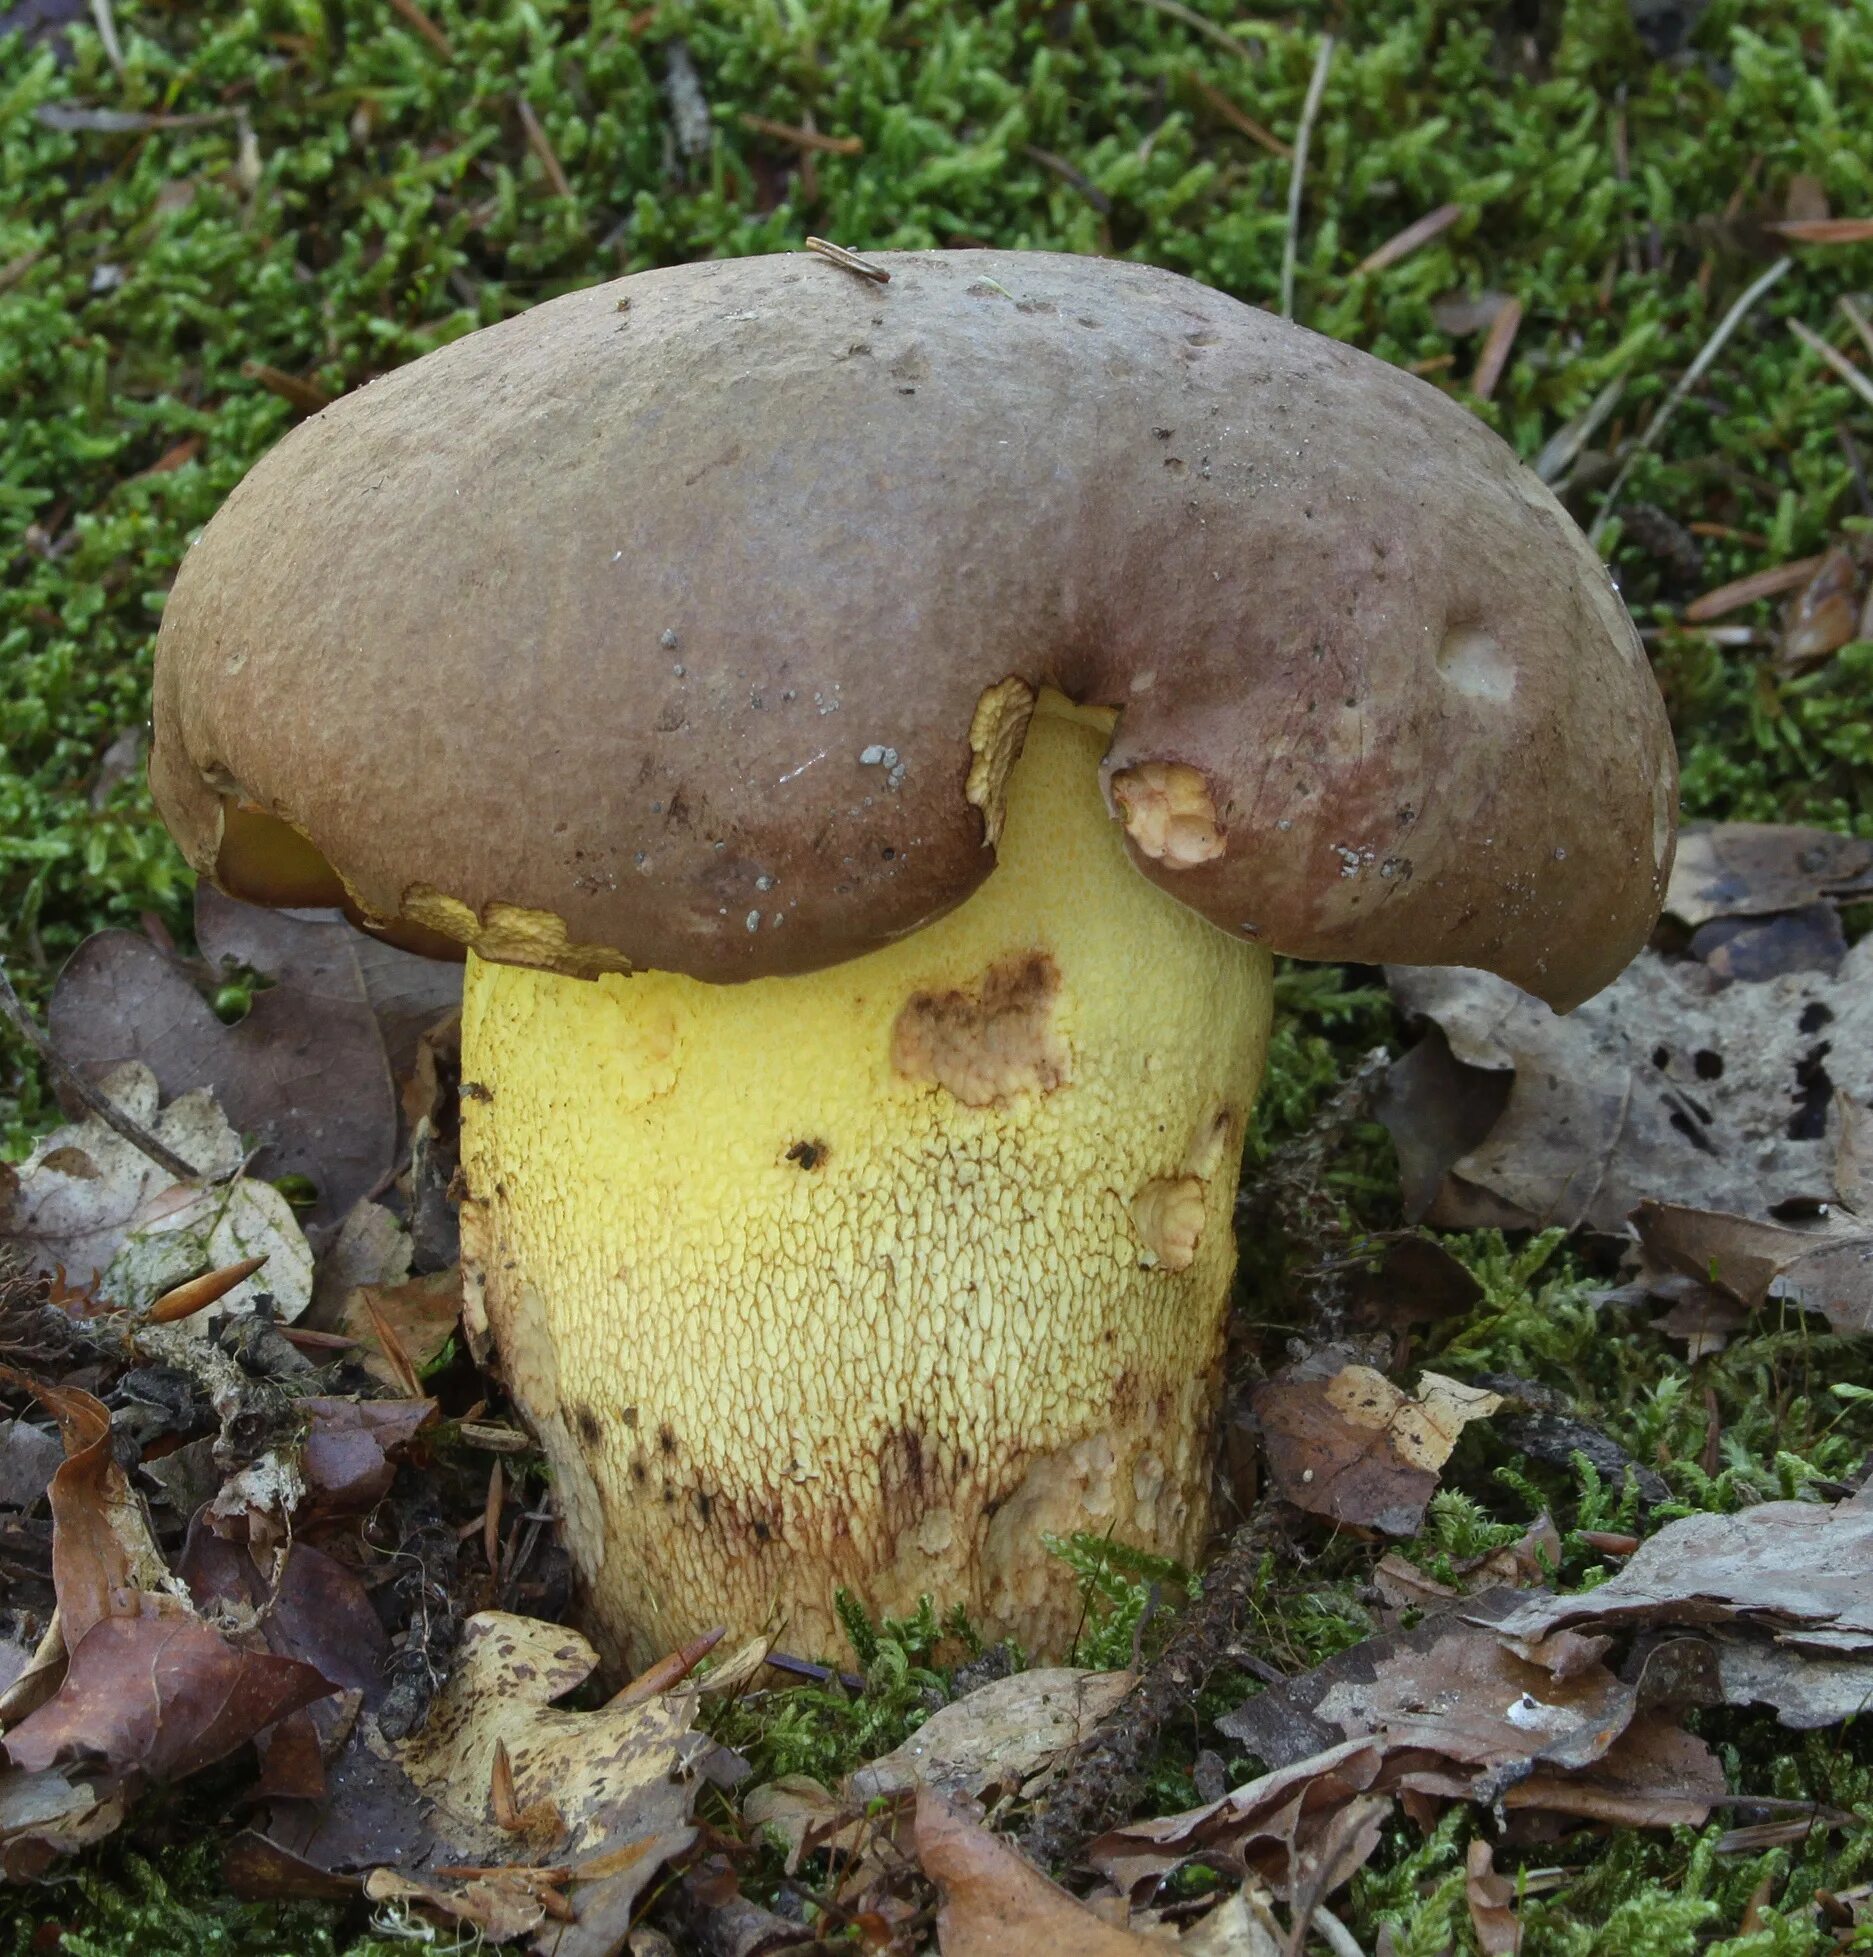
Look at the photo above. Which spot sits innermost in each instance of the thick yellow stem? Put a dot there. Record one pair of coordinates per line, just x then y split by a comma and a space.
873, 1278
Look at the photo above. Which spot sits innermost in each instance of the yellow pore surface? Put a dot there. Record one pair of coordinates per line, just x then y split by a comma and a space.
871, 1277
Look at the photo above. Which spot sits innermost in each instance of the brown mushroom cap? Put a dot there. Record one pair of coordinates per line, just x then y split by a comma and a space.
651, 626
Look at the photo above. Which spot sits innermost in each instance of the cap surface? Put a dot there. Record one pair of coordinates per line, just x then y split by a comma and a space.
688, 622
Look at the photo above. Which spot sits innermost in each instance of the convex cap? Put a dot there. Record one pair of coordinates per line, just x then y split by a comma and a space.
690, 622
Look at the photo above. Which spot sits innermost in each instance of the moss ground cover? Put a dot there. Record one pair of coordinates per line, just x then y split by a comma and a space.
250, 209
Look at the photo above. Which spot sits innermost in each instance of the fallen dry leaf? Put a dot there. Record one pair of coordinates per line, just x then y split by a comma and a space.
1658, 1776
346, 1449
1805, 1689
1754, 869
1491, 1899
371, 1247
604, 1797
1822, 616
151, 1691
1671, 1085
1523, 1565
1797, 1573
1822, 1265
1263, 1829
46, 1815
309, 1073
1342, 1441
1003, 1732
29, 1457
160, 1696
1451, 1691
996, 1903
91, 1204
421, 1315
809, 1818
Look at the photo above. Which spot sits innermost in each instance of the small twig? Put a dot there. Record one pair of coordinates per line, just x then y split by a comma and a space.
13, 1010
781, 1661
1198, 25
542, 148
1852, 452
1099, 1777
396, 1357
106, 23
1838, 361
1653, 429
1497, 346
1070, 174
1433, 224
804, 138
1334, 1934
491, 1517
307, 396
1238, 119
1710, 635
426, 27
16, 269
1859, 322
1772, 583
1297, 176
848, 261
1824, 230
1561, 449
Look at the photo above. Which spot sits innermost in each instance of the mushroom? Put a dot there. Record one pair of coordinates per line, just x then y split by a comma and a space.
870, 741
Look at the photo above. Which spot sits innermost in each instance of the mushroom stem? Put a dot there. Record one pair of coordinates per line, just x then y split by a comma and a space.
875, 1278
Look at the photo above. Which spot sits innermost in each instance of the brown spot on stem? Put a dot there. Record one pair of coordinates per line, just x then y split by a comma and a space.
991, 1043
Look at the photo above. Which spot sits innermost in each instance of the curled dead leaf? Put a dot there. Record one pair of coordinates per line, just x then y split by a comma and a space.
1673, 1084
1001, 1733
310, 1071
1342, 1441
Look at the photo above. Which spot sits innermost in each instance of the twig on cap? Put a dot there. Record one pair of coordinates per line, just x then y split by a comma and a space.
848, 261
13, 1010
1653, 429
1310, 108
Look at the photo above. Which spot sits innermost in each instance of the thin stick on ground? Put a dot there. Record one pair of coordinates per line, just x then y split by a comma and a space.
1101, 1779
13, 1010
1837, 362
1649, 435
1297, 176
1193, 20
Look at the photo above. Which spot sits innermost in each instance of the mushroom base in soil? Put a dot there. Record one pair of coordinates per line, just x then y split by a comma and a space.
874, 1277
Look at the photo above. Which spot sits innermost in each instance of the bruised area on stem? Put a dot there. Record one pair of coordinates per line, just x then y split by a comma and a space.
868, 1278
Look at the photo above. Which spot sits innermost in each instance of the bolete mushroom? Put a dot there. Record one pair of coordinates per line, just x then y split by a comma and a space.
870, 740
